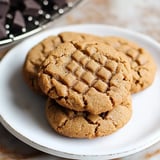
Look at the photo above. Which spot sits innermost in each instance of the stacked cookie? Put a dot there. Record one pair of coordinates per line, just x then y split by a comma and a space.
88, 81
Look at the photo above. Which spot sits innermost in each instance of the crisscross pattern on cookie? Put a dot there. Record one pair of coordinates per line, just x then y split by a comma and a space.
83, 76
39, 52
85, 72
142, 64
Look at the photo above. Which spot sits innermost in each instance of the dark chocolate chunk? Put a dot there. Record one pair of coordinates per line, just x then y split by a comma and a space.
59, 3
18, 20
2, 32
16, 3
31, 8
2, 21
5, 1
4, 7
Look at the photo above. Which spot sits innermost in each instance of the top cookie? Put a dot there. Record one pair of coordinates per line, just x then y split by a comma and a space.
39, 52
142, 64
86, 76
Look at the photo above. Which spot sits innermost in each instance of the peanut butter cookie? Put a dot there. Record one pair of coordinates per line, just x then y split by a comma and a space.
39, 52
142, 64
34, 59
85, 125
86, 76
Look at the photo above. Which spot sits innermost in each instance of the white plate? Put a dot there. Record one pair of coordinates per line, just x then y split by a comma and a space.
22, 111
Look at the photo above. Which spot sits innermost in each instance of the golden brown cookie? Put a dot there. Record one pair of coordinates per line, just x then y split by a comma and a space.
142, 64
34, 59
85, 125
39, 52
86, 76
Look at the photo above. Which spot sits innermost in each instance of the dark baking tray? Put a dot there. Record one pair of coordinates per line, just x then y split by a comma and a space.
36, 24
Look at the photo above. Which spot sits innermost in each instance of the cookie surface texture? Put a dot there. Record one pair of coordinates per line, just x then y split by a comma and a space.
86, 76
85, 125
39, 52
34, 59
143, 66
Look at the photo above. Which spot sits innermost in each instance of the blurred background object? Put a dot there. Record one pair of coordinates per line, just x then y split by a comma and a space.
20, 19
